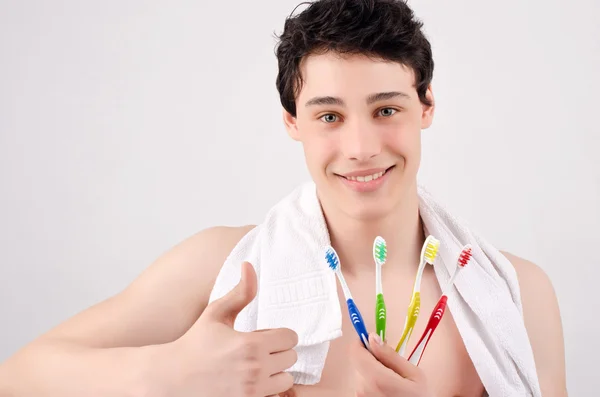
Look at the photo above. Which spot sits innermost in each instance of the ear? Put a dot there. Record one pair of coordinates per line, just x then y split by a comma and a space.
291, 125
428, 110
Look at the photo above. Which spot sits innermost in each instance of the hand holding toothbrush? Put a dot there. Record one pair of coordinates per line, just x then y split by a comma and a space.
374, 378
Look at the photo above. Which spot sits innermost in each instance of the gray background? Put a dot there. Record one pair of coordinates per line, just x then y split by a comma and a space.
127, 126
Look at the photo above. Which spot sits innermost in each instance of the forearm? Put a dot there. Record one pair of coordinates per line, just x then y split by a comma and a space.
61, 369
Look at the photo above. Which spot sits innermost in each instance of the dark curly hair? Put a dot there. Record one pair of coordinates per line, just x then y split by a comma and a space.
383, 29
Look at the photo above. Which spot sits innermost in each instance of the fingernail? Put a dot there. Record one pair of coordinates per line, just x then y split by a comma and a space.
377, 339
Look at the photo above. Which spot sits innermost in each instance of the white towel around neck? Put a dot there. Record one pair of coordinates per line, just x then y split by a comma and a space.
297, 290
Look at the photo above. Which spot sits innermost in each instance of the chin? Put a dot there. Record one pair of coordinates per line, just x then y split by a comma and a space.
365, 204
368, 211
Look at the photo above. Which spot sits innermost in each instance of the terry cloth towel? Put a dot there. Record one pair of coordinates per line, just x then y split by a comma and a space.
297, 290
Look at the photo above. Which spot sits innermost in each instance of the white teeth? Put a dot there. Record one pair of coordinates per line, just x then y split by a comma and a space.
367, 178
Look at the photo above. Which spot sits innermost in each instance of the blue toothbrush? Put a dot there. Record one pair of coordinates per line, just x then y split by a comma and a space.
357, 321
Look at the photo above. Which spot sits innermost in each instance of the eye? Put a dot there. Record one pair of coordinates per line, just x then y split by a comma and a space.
386, 112
329, 118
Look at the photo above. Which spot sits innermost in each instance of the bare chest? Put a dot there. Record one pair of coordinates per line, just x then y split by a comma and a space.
446, 363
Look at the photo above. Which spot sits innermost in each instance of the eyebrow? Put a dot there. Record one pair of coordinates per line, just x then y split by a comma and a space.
380, 96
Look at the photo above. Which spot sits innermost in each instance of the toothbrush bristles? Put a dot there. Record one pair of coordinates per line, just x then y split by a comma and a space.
465, 256
432, 246
380, 250
332, 258
463, 259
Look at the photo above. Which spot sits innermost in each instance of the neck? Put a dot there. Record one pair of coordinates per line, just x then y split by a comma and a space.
353, 238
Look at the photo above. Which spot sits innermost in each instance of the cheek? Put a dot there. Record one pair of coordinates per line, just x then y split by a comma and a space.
404, 140
320, 151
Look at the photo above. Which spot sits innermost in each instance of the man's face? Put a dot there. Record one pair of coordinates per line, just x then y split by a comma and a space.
360, 122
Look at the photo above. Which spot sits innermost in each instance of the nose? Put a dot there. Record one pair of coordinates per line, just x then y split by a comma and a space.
360, 141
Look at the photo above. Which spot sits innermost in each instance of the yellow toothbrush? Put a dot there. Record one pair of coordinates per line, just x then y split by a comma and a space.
428, 254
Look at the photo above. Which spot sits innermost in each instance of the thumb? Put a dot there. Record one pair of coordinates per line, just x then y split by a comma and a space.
387, 356
227, 308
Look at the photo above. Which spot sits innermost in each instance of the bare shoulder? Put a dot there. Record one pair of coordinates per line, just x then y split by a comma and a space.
544, 325
537, 292
206, 250
164, 301
203, 253
532, 278
191, 268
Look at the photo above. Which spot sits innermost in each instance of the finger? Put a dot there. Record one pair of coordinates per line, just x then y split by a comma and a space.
361, 384
362, 359
387, 356
227, 308
369, 365
279, 362
277, 339
372, 377
278, 383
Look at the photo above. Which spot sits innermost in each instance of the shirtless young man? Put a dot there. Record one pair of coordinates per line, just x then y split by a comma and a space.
358, 110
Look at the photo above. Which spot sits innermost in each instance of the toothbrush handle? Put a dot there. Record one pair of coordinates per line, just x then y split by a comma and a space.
358, 323
434, 320
411, 320
380, 316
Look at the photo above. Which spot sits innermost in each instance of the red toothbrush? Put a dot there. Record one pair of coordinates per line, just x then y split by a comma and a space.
439, 309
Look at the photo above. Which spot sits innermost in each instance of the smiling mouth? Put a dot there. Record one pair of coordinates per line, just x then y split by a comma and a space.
367, 178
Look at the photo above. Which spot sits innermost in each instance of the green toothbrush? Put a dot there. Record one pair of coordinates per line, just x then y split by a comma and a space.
379, 255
